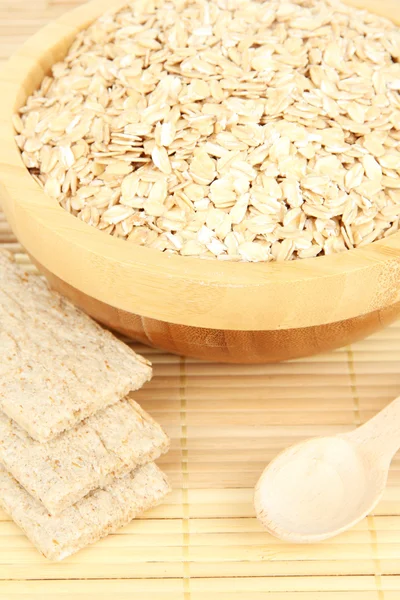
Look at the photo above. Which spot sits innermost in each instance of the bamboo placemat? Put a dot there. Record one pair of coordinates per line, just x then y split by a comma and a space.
226, 423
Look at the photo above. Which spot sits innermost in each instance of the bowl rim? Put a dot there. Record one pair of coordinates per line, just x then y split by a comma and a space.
211, 293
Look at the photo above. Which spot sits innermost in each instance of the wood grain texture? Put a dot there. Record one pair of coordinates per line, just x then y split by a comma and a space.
187, 305
226, 423
228, 346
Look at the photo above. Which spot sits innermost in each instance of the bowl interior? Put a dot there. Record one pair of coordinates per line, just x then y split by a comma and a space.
189, 291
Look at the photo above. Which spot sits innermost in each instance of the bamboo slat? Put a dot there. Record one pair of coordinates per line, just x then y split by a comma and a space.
226, 423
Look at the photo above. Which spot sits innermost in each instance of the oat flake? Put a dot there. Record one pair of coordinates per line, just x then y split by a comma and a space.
225, 129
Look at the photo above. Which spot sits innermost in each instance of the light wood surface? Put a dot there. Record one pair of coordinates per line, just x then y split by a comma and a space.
227, 422
191, 306
228, 346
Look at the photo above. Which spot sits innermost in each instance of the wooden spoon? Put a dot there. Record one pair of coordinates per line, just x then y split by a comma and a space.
319, 488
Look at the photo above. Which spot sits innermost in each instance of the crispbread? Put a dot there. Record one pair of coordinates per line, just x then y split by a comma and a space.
98, 514
60, 472
57, 366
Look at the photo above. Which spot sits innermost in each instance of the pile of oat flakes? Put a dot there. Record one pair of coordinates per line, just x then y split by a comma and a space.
229, 129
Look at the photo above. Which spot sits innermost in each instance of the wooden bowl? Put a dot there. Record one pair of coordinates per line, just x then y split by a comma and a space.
229, 312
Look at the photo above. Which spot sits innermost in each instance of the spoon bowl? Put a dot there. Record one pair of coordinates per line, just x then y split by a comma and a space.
321, 487
318, 488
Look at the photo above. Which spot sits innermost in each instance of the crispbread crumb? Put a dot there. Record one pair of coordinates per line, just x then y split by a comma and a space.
57, 366
98, 514
59, 473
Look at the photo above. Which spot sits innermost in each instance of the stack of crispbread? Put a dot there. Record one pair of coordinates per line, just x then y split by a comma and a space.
76, 454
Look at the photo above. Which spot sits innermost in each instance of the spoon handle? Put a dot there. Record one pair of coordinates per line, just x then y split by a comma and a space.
381, 433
